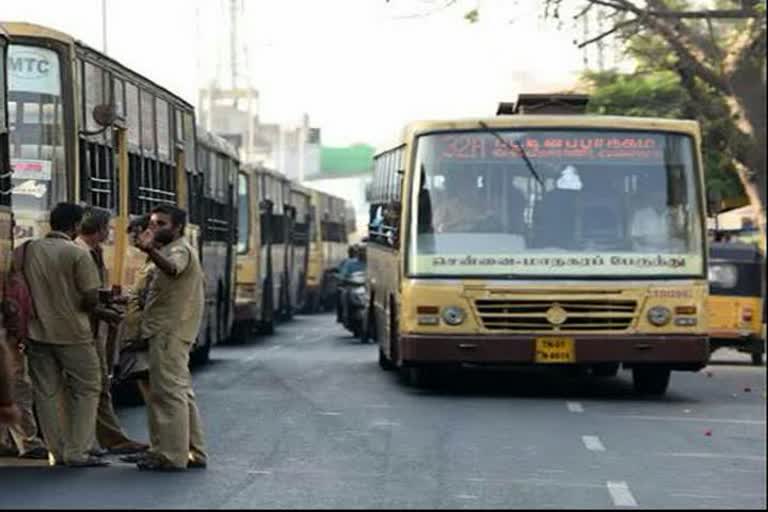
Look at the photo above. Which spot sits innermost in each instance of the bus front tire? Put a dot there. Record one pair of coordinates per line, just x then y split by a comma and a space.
651, 380
757, 358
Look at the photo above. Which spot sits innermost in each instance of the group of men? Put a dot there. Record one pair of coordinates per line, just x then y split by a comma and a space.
63, 366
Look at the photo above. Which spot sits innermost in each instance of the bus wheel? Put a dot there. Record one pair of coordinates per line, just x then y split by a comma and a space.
384, 363
422, 376
605, 369
757, 358
651, 380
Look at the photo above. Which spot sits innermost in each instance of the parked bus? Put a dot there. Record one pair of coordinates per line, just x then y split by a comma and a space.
253, 298
85, 128
327, 249
299, 224
6, 215
544, 239
274, 194
216, 215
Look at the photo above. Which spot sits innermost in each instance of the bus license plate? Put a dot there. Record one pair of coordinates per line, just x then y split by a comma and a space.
555, 350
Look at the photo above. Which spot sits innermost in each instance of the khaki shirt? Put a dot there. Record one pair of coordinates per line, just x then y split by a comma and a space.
175, 304
59, 274
131, 325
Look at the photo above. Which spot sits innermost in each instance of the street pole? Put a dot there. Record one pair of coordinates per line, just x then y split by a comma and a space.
104, 26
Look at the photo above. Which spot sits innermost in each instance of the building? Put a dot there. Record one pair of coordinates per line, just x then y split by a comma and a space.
345, 172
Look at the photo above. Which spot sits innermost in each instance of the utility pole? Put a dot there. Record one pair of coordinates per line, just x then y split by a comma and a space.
104, 26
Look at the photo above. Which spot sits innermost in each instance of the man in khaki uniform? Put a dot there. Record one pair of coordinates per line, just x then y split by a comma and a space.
172, 317
9, 411
21, 439
63, 361
94, 231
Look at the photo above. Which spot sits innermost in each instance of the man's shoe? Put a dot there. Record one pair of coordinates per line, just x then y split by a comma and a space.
38, 453
155, 463
133, 458
128, 448
97, 452
197, 464
89, 462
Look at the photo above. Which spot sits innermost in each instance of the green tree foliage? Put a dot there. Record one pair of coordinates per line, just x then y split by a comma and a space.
661, 94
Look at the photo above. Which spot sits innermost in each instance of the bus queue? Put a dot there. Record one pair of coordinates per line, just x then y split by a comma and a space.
83, 128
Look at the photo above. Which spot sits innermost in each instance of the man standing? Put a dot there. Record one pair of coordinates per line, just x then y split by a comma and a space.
172, 317
94, 231
9, 412
63, 362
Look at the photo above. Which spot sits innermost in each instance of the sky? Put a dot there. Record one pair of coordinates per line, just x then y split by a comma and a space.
360, 68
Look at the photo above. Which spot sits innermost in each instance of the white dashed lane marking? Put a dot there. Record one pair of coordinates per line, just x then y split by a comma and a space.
620, 494
575, 407
593, 443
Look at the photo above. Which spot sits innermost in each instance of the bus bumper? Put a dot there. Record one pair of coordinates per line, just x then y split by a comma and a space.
690, 352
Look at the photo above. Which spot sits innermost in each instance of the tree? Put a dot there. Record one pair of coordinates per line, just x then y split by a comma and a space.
718, 51
662, 94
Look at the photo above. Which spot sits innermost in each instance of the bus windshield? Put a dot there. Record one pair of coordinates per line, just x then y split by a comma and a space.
36, 127
571, 203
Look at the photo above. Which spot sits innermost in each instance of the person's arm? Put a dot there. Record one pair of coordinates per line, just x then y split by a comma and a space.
173, 264
87, 281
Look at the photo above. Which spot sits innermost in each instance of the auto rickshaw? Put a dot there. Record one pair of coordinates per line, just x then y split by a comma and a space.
736, 306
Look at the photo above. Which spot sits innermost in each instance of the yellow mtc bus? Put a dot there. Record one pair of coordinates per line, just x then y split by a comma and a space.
84, 128
327, 249
541, 239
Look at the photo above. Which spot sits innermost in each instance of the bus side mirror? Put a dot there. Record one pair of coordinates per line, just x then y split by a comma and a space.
105, 115
714, 202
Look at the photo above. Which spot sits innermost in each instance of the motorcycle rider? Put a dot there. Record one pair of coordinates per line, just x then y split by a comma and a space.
346, 269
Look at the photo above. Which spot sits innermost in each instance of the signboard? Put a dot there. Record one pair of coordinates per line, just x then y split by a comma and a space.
575, 145
27, 169
33, 69
559, 264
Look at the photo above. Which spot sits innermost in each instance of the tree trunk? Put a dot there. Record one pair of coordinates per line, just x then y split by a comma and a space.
749, 103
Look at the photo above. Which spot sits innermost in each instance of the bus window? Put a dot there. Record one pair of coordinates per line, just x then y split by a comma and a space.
243, 214
163, 130
36, 128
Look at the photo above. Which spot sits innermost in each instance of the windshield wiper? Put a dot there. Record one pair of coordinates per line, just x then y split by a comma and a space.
519, 148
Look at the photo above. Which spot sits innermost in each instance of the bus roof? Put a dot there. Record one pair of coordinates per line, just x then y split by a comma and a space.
416, 128
216, 143
24, 29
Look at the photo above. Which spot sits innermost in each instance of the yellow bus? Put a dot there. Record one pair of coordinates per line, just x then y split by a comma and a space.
252, 270
299, 223
327, 249
6, 215
218, 164
84, 128
566, 240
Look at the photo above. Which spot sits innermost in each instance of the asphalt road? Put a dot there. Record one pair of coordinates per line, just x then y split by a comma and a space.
306, 419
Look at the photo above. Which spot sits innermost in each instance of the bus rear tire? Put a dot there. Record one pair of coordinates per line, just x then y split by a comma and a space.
384, 363
757, 358
651, 380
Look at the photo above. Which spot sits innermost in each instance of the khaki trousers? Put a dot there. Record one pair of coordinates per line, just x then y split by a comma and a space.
70, 373
175, 429
23, 436
108, 431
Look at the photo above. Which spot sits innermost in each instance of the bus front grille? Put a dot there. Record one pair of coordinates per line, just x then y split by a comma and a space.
519, 315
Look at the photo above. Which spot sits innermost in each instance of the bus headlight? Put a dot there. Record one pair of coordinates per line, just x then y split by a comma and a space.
659, 315
453, 315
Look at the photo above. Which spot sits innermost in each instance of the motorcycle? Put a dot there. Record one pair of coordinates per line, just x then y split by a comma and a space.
353, 298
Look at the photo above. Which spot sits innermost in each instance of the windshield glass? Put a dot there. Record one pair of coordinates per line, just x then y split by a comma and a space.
608, 203
36, 129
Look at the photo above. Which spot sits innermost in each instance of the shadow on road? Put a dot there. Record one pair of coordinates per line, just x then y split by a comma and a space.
539, 383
